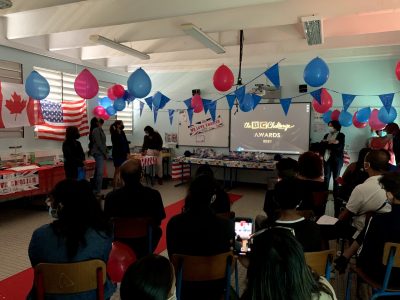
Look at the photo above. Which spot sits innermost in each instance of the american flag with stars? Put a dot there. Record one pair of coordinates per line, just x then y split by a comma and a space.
59, 115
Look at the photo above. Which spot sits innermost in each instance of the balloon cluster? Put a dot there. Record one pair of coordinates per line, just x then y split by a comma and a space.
115, 101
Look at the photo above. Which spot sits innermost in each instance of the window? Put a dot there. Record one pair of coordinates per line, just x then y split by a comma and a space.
11, 72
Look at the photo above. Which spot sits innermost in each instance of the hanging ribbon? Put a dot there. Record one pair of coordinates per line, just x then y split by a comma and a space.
141, 107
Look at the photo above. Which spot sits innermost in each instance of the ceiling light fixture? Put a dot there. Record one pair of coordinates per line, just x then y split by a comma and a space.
313, 30
98, 39
4, 4
203, 38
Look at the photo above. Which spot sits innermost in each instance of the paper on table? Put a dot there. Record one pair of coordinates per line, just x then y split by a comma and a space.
327, 220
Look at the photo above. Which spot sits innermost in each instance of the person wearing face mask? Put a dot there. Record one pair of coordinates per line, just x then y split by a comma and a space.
382, 141
74, 156
152, 145
120, 149
333, 148
393, 132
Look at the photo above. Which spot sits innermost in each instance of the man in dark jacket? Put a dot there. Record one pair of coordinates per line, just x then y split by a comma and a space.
152, 145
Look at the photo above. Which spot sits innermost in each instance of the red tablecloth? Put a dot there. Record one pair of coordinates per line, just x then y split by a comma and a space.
49, 176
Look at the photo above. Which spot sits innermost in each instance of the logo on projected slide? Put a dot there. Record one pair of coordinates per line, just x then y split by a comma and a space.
256, 125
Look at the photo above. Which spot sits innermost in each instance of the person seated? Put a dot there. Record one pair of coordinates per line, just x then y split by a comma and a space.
306, 231
278, 270
79, 232
393, 132
353, 176
382, 141
368, 197
199, 232
150, 278
222, 203
134, 200
311, 181
286, 167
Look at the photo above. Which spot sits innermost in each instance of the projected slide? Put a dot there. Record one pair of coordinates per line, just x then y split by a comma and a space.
267, 129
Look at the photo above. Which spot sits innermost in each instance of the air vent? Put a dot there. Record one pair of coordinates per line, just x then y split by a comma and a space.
313, 30
5, 4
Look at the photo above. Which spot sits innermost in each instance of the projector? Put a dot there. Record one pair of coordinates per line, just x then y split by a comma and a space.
5, 4
267, 91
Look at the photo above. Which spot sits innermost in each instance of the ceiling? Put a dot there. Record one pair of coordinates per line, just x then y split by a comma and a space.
352, 30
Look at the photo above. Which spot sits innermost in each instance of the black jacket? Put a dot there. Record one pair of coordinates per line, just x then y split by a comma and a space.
73, 154
153, 142
120, 145
336, 149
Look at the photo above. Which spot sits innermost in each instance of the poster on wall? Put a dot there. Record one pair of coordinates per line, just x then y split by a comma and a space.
18, 182
204, 131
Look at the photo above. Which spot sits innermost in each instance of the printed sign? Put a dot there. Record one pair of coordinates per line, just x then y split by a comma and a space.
18, 182
205, 125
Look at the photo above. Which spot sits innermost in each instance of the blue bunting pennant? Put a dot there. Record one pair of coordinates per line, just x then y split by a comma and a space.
240, 92
347, 100
231, 100
213, 109
188, 102
171, 115
256, 100
164, 101
285, 103
387, 100
317, 95
149, 101
190, 114
206, 103
155, 113
273, 75
141, 107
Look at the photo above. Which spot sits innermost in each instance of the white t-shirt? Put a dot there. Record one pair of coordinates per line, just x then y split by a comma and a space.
322, 295
367, 197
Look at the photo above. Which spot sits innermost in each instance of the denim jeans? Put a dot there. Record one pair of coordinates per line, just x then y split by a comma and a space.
333, 167
98, 172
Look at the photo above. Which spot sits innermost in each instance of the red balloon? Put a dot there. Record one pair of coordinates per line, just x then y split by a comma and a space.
335, 115
398, 70
223, 78
374, 121
118, 90
99, 111
326, 102
121, 257
110, 93
197, 103
358, 124
86, 85
106, 116
319, 108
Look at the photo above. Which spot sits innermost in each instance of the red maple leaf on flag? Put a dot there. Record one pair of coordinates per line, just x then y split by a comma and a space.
15, 105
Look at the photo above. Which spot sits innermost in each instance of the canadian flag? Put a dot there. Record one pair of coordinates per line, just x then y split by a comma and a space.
17, 108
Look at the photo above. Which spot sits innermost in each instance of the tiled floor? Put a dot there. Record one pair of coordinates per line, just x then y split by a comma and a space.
18, 219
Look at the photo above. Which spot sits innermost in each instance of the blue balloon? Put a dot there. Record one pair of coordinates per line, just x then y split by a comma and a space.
139, 84
119, 104
387, 117
327, 116
316, 73
111, 110
345, 118
36, 86
247, 103
105, 102
363, 114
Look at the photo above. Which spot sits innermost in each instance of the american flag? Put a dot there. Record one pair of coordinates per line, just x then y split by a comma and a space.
59, 115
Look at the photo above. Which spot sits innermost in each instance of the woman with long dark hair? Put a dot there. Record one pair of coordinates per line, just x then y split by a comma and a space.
278, 270
79, 232
74, 156
120, 148
94, 123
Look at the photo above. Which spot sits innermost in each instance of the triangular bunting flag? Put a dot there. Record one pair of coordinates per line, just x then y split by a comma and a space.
155, 113
206, 103
149, 101
171, 115
387, 100
347, 100
188, 102
157, 100
213, 109
231, 100
240, 93
273, 75
256, 100
285, 103
190, 114
141, 107
164, 101
317, 95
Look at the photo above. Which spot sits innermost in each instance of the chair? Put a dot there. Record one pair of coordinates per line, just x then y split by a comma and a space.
131, 228
320, 262
391, 259
204, 268
70, 278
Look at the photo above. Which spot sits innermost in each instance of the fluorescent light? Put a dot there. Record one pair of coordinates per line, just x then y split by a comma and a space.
98, 39
313, 30
203, 38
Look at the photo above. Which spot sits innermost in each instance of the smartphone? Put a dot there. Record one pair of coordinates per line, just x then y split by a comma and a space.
243, 230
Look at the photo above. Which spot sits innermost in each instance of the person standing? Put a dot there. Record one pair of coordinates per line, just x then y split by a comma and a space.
99, 152
74, 156
333, 146
152, 145
94, 123
120, 149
